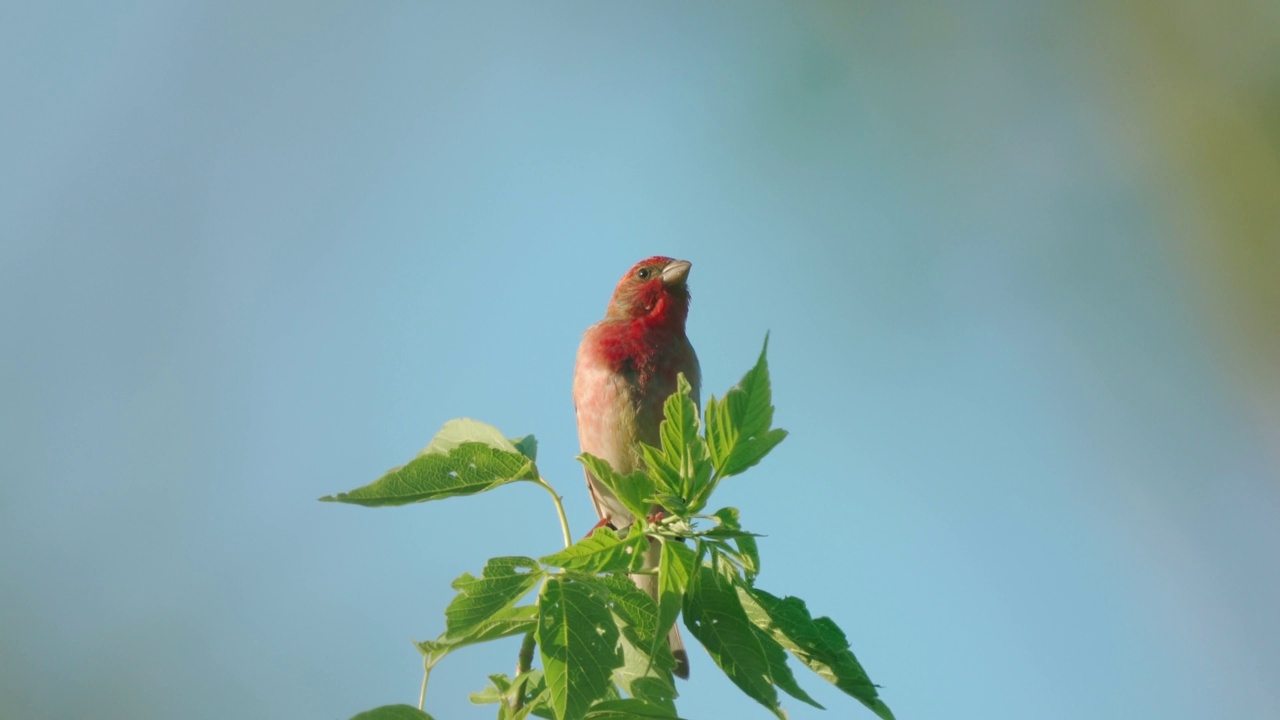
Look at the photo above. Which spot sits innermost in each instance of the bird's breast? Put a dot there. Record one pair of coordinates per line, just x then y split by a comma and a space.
606, 407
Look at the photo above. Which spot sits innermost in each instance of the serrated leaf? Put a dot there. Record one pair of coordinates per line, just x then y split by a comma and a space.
602, 552
504, 623
536, 699
751, 451
658, 688
673, 504
466, 457
503, 581
503, 688
715, 617
578, 640
681, 442
749, 553
534, 686
629, 709
393, 712
433, 650
662, 472
818, 643
680, 466
495, 692
723, 562
675, 568
501, 624
642, 674
730, 527
739, 426
779, 671
637, 613
634, 491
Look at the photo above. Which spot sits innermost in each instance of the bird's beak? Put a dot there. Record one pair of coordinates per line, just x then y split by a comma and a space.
676, 272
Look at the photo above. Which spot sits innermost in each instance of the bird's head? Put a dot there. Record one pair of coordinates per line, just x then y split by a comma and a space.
654, 288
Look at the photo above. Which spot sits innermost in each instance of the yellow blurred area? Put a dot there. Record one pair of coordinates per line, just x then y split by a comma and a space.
1197, 86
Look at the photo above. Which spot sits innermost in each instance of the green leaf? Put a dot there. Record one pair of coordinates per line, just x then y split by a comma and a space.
818, 643
714, 615
503, 581
673, 504
675, 567
749, 553
602, 551
466, 457
642, 675
534, 690
662, 471
495, 692
779, 671
681, 466
730, 527
739, 427
501, 624
433, 650
465, 430
504, 623
527, 446
629, 709
393, 712
634, 491
637, 613
579, 643
681, 441
503, 689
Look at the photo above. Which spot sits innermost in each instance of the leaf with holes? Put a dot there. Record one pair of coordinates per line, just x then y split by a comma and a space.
715, 617
466, 457
603, 552
578, 639
642, 675
503, 581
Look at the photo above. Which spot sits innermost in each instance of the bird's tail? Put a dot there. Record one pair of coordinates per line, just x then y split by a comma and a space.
649, 583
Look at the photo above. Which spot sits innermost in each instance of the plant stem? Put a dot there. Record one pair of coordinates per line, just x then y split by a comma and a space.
564, 521
524, 663
426, 673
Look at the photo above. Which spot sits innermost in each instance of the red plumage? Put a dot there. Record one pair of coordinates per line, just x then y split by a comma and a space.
627, 366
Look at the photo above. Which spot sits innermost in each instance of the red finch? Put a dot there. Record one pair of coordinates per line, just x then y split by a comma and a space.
627, 367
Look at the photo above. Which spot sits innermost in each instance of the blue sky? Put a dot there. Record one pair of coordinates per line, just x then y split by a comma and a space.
255, 254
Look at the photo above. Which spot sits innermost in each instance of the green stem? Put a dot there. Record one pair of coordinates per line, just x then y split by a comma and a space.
426, 673
564, 521
524, 663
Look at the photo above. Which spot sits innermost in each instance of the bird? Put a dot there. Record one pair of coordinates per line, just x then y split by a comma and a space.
627, 365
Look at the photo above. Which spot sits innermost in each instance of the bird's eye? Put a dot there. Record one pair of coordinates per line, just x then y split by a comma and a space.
643, 273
